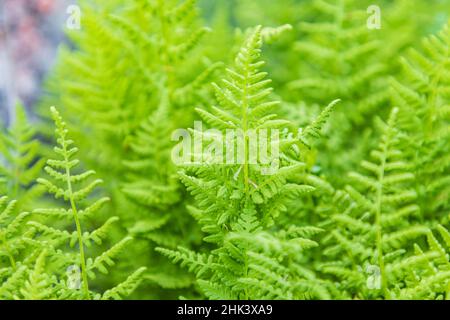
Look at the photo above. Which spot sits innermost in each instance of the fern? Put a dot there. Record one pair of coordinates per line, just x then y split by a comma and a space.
21, 267
11, 226
262, 199
431, 279
422, 95
131, 108
237, 205
21, 160
375, 221
341, 59
152, 39
38, 286
64, 185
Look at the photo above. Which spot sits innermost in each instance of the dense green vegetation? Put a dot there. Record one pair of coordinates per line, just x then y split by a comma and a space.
354, 206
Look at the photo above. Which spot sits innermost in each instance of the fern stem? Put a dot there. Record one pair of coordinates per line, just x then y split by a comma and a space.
244, 124
246, 296
81, 246
11, 260
378, 223
78, 226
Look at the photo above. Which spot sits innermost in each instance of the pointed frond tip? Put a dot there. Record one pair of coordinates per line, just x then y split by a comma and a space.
313, 131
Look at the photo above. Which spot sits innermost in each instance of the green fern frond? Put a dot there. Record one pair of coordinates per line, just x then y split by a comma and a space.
125, 288
379, 213
74, 188
422, 95
11, 286
21, 160
39, 285
11, 232
237, 203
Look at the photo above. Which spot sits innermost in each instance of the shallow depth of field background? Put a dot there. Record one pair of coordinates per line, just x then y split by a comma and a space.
31, 30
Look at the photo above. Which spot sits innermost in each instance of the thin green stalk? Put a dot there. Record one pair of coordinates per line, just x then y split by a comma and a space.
379, 242
79, 232
245, 128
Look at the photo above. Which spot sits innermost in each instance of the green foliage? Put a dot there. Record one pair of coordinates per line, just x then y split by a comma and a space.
21, 160
354, 206
237, 205
12, 244
423, 97
374, 218
45, 279
135, 105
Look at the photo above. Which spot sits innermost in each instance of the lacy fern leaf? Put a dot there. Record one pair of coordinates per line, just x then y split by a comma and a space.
238, 203
73, 188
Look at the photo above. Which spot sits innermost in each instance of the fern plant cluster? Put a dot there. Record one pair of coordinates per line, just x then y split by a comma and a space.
354, 204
